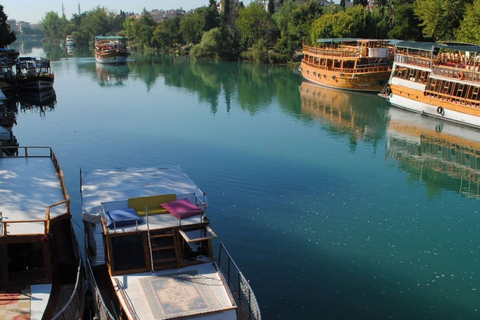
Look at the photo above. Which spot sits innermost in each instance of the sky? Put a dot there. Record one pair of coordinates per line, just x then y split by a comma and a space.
34, 10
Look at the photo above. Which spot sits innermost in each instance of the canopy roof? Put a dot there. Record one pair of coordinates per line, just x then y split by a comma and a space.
430, 46
110, 38
339, 40
105, 185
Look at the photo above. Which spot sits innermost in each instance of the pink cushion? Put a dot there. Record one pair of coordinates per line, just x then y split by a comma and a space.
182, 208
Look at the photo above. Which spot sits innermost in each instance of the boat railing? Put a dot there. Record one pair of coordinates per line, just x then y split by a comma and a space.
127, 300
101, 309
333, 51
384, 66
73, 309
425, 62
238, 284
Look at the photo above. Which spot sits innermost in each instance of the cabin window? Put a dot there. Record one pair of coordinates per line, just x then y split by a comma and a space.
25, 262
128, 252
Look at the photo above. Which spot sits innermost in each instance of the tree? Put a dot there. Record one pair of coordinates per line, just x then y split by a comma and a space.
255, 24
194, 24
211, 46
440, 18
145, 29
469, 30
167, 34
402, 20
52, 26
7, 36
271, 7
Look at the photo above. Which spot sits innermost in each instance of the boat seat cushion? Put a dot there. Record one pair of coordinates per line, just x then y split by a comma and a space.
182, 208
122, 218
153, 203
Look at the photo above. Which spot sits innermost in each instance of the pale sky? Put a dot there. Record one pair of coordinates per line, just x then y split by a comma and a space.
34, 10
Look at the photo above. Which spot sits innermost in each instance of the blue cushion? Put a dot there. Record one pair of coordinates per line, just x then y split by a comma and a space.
122, 217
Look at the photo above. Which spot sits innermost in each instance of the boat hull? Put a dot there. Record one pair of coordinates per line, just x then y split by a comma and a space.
111, 57
364, 82
42, 82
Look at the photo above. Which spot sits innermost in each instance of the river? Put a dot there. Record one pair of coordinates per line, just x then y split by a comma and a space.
334, 205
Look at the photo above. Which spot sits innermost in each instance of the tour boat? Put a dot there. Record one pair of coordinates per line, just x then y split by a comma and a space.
34, 73
349, 64
440, 80
428, 147
111, 49
41, 270
149, 249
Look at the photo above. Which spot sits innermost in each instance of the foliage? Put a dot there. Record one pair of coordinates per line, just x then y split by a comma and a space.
7, 36
52, 26
211, 46
469, 30
440, 18
255, 24
194, 24
166, 34
402, 21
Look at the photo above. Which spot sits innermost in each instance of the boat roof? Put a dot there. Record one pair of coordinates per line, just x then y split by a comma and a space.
110, 38
430, 46
337, 40
28, 185
104, 185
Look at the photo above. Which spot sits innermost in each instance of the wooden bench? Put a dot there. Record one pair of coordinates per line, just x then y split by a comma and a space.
153, 203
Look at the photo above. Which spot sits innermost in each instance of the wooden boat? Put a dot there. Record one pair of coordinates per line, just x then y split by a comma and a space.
349, 64
438, 80
34, 73
41, 270
149, 249
111, 49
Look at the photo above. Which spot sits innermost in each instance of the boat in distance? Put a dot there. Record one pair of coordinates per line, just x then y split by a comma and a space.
149, 249
111, 49
41, 269
34, 73
348, 63
441, 80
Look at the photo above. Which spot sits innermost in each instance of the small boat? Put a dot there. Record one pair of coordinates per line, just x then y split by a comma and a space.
348, 64
41, 273
111, 49
34, 73
149, 249
69, 41
7, 139
9, 55
440, 80
8, 82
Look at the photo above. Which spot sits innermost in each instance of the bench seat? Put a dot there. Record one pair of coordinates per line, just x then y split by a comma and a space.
153, 203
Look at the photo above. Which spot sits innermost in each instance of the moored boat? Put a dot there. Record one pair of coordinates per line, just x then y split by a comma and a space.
41, 270
111, 49
438, 80
349, 64
69, 41
34, 73
149, 249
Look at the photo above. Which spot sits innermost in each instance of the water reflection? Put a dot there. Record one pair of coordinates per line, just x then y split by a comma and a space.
110, 75
441, 154
42, 101
359, 116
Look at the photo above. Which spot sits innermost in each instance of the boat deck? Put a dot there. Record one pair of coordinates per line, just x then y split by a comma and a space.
200, 287
28, 185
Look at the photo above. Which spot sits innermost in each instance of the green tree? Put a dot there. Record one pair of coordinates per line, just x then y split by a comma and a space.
52, 26
7, 36
166, 35
194, 24
256, 24
440, 18
211, 46
402, 20
469, 30
145, 29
